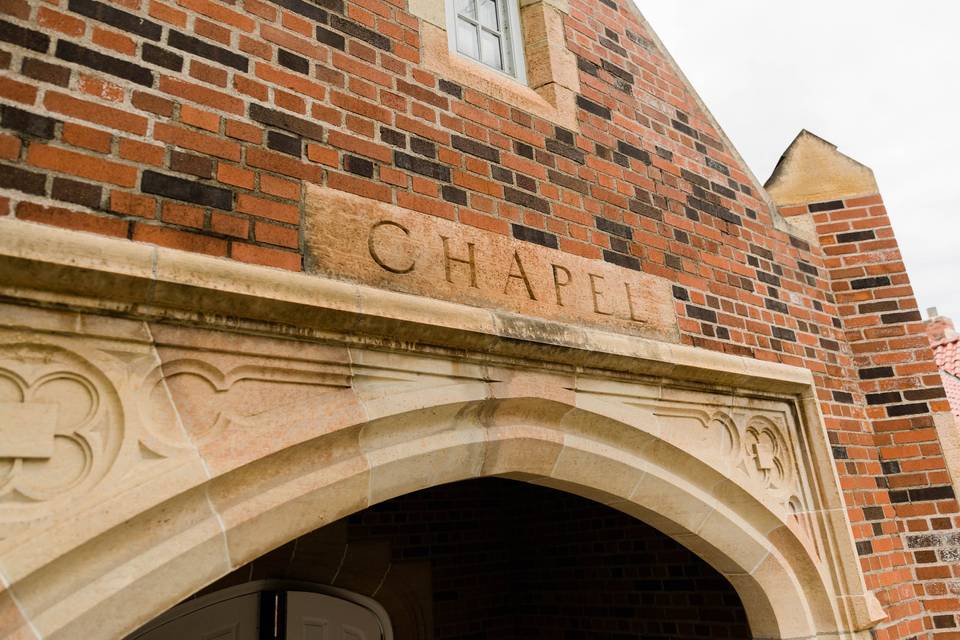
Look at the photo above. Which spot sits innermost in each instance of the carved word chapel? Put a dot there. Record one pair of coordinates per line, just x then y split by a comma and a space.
443, 319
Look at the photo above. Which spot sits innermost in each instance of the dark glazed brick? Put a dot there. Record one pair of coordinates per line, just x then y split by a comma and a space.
454, 90
81, 193
796, 242
899, 410
833, 205
856, 236
360, 32
284, 144
523, 149
639, 40
681, 294
869, 283
293, 61
306, 9
844, 397
588, 67
26, 122
931, 493
875, 373
393, 138
619, 72
808, 268
286, 121
187, 190
454, 195
717, 166
423, 147
26, 38
903, 316
643, 209
766, 254
358, 166
535, 236
693, 178
107, 64
873, 513
891, 467
206, 50
775, 305
594, 108
611, 4
200, 166
21, 180
526, 183
685, 129
875, 307
699, 313
421, 166
715, 210
898, 497
932, 393
564, 136
613, 46
116, 18
500, 174
730, 194
768, 278
331, 38
526, 200
784, 334
45, 72
615, 228
628, 262
474, 148
634, 152
574, 184
829, 345
840, 453
565, 150
884, 398
944, 622
864, 547
161, 57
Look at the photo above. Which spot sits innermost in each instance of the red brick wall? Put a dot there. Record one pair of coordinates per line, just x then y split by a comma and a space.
906, 525
193, 124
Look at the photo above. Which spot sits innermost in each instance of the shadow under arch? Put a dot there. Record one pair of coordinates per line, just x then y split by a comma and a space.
786, 591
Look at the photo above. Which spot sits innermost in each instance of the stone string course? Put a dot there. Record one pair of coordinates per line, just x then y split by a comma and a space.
194, 125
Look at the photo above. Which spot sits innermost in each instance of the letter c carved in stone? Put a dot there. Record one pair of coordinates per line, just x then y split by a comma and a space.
371, 246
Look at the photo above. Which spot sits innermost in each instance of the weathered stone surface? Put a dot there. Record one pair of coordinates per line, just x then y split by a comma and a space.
383, 246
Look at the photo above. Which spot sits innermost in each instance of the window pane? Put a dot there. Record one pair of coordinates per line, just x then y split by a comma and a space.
467, 39
467, 8
489, 14
490, 50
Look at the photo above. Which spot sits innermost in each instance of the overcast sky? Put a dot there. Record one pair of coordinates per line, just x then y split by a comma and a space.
880, 79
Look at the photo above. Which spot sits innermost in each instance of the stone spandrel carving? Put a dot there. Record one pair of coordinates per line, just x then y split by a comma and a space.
72, 440
61, 424
753, 442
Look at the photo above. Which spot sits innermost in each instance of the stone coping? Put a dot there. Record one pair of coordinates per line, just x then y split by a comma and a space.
55, 267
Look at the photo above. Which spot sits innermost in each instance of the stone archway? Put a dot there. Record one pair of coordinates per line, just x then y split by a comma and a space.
227, 441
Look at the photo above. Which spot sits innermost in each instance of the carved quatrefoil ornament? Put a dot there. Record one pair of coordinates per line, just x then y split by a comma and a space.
60, 423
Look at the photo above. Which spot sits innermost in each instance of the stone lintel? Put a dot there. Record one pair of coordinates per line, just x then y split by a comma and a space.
45, 265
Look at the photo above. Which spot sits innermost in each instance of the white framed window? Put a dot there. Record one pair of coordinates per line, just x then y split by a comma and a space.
488, 31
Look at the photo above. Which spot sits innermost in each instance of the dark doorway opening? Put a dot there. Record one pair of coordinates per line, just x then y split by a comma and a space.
500, 559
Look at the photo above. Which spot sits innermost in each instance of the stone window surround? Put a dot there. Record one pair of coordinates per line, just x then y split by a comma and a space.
513, 58
553, 80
